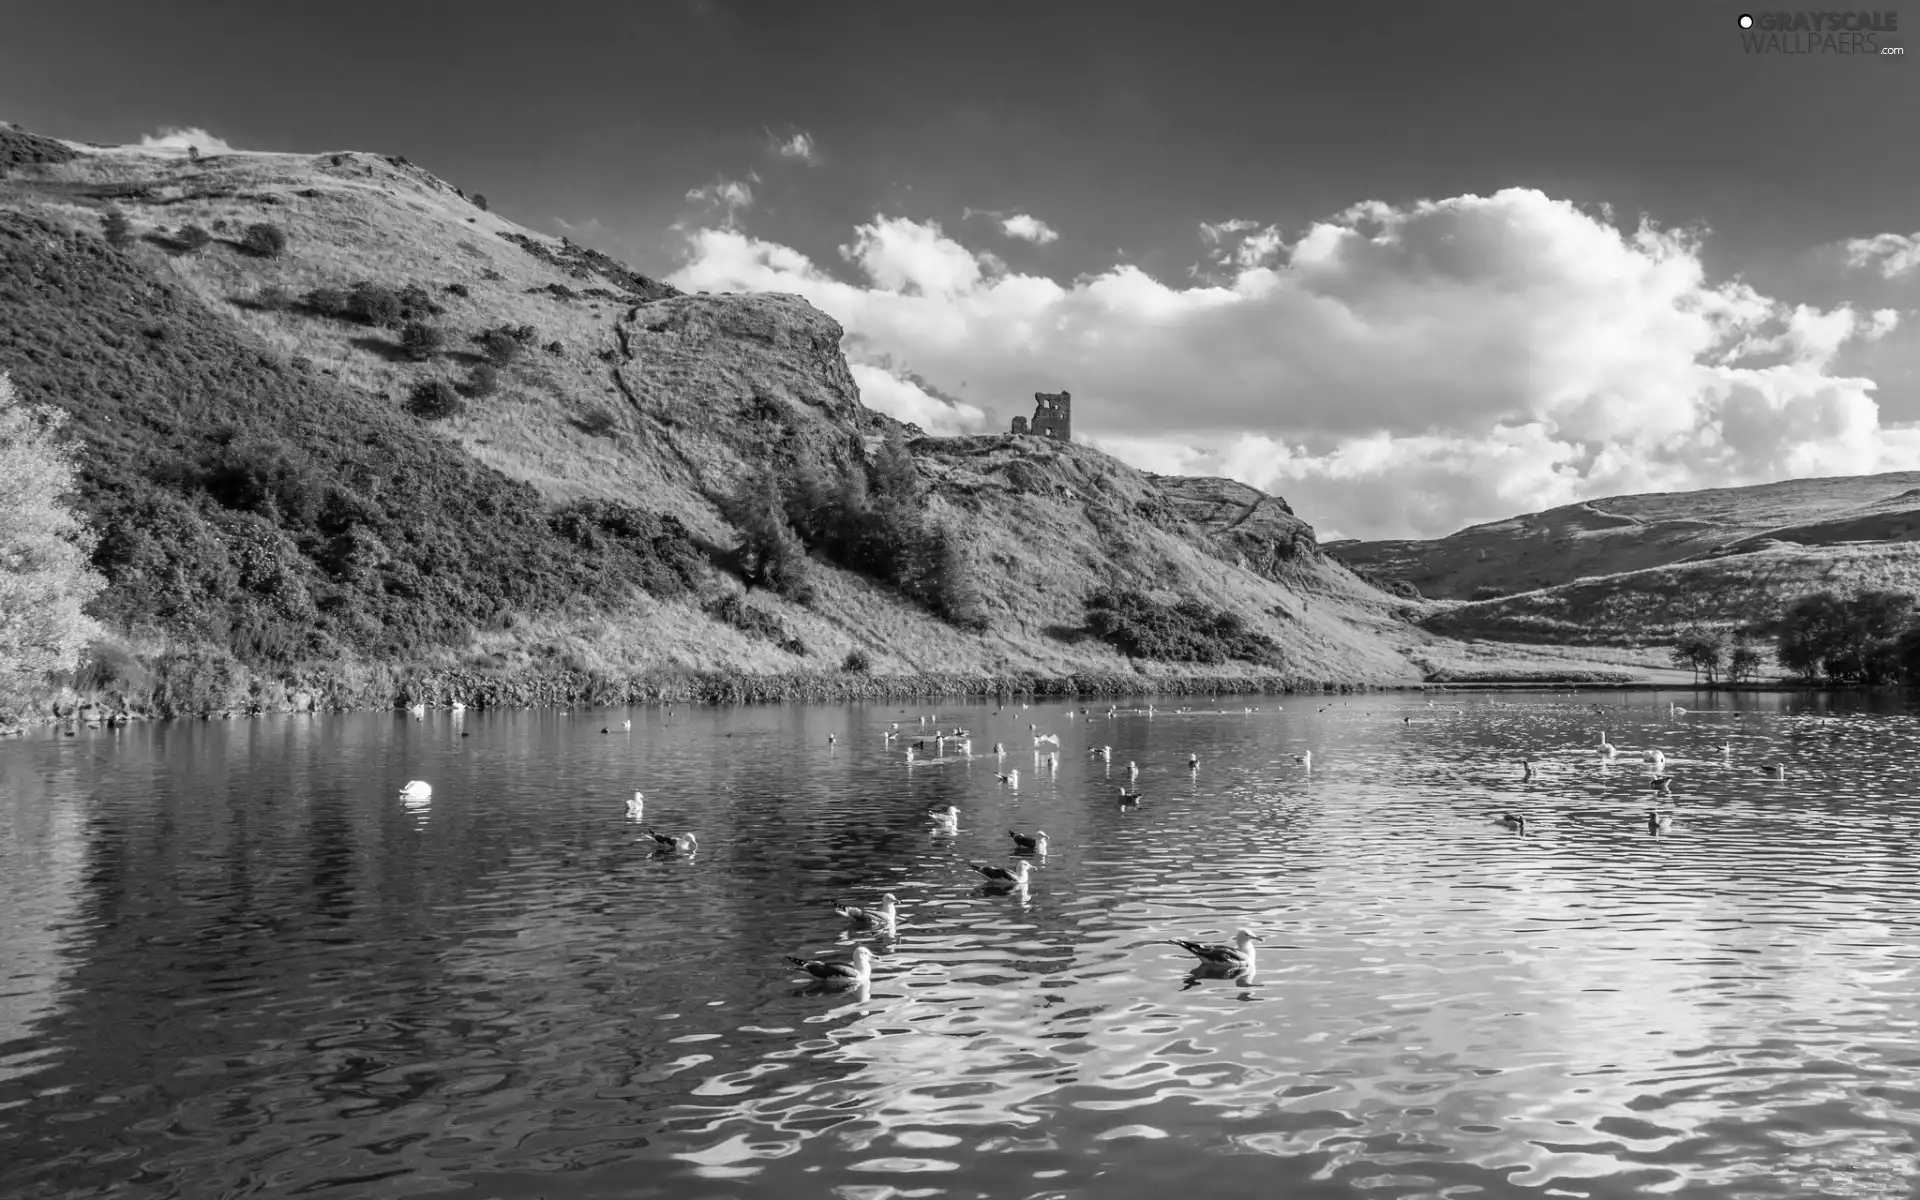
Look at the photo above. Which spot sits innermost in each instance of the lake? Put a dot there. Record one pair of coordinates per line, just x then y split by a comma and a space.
234, 962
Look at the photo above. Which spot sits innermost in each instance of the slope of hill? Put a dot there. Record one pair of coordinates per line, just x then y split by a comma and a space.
282, 530
1620, 534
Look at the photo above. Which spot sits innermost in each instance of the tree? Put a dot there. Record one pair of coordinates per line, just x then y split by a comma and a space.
45, 577
1812, 631
1702, 650
770, 555
267, 241
421, 341
1743, 661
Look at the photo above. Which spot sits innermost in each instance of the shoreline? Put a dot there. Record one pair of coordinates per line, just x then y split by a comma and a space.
386, 689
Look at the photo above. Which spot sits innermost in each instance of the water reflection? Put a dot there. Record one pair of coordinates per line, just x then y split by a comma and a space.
237, 961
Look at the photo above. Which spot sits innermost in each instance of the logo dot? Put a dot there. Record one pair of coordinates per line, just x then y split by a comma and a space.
1746, 21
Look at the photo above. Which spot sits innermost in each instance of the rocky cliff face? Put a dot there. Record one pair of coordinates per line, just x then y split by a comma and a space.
1244, 524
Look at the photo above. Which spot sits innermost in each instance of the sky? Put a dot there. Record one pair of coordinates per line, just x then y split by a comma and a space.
1411, 266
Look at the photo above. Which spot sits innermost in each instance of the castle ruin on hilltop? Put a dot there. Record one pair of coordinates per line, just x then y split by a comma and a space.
1052, 416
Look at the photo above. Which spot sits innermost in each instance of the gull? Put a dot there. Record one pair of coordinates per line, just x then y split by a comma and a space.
1106, 752
1658, 759
1133, 769
1127, 797
1674, 710
1517, 824
457, 706
1659, 822
1047, 737
417, 790
679, 843
999, 750
419, 711
1003, 875
1526, 769
637, 805
885, 917
1022, 844
1662, 784
626, 726
1305, 760
1607, 749
1239, 954
948, 817
910, 753
1777, 770
860, 970
1193, 762
832, 738
1011, 778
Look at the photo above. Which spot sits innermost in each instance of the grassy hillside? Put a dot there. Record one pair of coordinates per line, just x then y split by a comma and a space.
1621, 534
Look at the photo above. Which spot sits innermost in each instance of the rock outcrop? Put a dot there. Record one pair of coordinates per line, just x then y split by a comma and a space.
1246, 526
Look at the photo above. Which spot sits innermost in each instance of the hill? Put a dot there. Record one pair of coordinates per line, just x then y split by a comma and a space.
294, 515
1636, 570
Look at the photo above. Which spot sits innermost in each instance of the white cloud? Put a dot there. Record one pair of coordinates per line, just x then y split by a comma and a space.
799, 146
905, 400
1895, 253
1029, 229
727, 196
170, 138
1393, 371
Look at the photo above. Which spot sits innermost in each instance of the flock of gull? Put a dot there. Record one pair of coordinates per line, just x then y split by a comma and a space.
1235, 959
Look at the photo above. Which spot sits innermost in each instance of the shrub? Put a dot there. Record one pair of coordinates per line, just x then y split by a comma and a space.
499, 346
44, 545
434, 400
116, 227
769, 555
374, 305
327, 302
598, 422
482, 381
1849, 641
857, 662
194, 238
219, 224
273, 297
1187, 631
421, 341
457, 289
555, 348
264, 240
480, 202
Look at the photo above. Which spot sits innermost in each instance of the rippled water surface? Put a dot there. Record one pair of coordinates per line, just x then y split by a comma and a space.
233, 962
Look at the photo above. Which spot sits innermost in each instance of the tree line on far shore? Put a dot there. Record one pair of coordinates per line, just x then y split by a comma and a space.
1870, 638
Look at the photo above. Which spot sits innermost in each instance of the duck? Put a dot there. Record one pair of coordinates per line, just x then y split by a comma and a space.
1239, 954
1022, 844
1011, 778
1662, 785
1658, 822
860, 970
417, 790
1517, 824
883, 917
679, 843
1777, 770
1017, 874
1127, 797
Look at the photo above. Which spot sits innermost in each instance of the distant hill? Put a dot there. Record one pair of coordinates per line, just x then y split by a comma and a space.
281, 528
1637, 569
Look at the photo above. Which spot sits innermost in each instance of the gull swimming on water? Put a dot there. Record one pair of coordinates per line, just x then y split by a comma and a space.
417, 790
860, 970
948, 817
1022, 844
637, 805
1517, 824
1011, 778
1127, 797
1662, 784
883, 917
1239, 954
1526, 770
1659, 822
1016, 875
1047, 737
1305, 760
1607, 748
681, 843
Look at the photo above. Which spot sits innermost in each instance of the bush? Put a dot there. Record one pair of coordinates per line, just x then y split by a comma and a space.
194, 238
1188, 631
555, 348
857, 662
482, 381
598, 422
769, 554
273, 297
371, 304
264, 240
421, 341
1849, 641
434, 400
44, 546
480, 202
499, 346
327, 302
457, 289
116, 227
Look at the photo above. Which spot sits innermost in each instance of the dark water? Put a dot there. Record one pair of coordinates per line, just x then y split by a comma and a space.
234, 963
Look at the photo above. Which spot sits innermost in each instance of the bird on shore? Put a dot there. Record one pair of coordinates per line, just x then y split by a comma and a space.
1011, 778
1003, 875
1022, 844
1239, 954
1659, 822
1517, 824
884, 917
860, 970
676, 843
417, 790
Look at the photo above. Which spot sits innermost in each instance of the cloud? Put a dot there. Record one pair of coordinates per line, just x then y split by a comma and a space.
1895, 253
1392, 370
170, 138
580, 230
799, 145
1029, 229
728, 196
905, 400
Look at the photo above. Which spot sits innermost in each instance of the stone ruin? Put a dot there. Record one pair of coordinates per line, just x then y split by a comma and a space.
1052, 416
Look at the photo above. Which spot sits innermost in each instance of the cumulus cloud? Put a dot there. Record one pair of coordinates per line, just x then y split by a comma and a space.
1393, 370
1028, 229
1894, 254
798, 145
726, 196
170, 138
